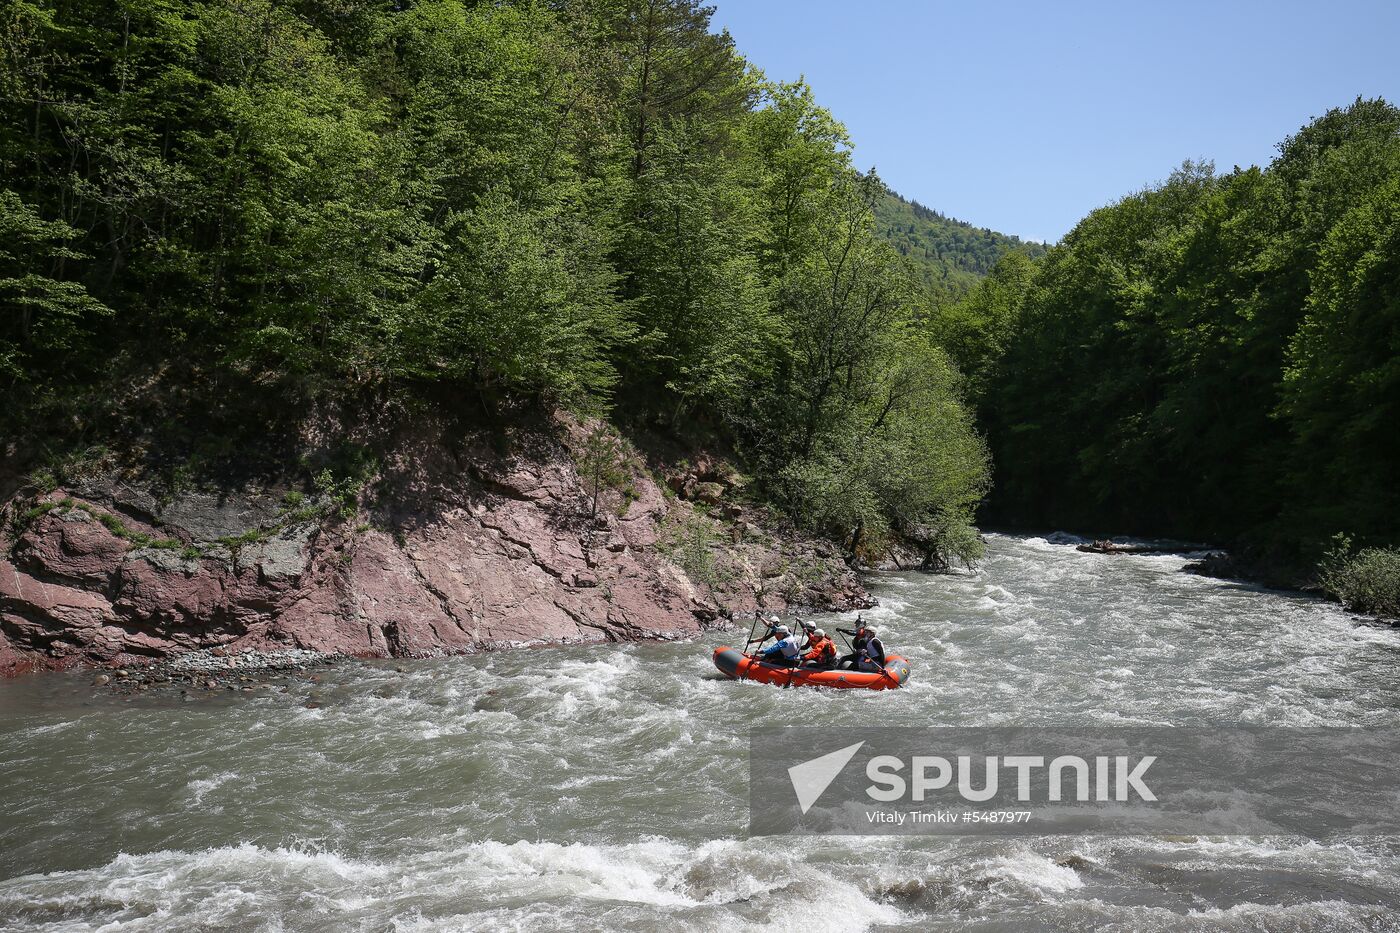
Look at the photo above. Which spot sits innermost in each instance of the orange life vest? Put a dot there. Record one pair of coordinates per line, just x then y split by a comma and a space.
821, 650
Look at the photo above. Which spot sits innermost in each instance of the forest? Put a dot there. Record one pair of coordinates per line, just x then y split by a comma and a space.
218, 218
222, 217
1216, 357
949, 256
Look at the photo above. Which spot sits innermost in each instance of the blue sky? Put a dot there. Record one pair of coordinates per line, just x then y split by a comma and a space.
1023, 117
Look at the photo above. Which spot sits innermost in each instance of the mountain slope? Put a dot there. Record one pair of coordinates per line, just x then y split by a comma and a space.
950, 255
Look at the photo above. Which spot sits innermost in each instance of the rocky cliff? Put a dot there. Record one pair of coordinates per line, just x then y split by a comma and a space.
448, 546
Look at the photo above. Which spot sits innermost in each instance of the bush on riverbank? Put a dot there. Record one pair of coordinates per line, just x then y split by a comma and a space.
1365, 581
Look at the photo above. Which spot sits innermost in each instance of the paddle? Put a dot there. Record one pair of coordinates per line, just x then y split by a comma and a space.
849, 647
793, 671
751, 628
762, 638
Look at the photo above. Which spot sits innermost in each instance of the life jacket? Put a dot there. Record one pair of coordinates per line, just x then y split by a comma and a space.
823, 649
788, 646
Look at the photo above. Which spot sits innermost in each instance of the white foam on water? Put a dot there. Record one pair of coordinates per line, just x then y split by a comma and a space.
1056, 538
218, 888
656, 876
632, 874
1321, 915
558, 748
782, 878
1029, 871
199, 788
52, 728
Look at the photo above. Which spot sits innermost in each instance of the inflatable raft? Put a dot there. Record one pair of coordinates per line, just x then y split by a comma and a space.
732, 662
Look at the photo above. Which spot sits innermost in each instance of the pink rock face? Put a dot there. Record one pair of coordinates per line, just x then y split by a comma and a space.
504, 553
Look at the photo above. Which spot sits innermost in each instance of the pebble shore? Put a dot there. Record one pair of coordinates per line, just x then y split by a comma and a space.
219, 669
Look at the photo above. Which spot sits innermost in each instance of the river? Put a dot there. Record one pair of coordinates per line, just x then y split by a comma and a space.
605, 787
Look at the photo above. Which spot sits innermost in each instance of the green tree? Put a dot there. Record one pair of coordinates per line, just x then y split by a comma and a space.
1341, 390
48, 320
975, 331
602, 463
1210, 357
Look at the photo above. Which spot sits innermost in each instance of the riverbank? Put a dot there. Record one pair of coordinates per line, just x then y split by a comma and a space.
205, 673
1247, 565
450, 543
1365, 582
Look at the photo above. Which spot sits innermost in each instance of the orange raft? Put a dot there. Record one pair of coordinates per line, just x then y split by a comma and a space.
733, 662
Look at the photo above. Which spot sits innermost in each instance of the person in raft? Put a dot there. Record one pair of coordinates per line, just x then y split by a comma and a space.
821, 652
771, 630
803, 635
872, 656
857, 636
784, 651
860, 656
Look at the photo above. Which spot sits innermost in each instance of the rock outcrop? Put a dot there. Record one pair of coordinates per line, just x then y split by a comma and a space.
450, 549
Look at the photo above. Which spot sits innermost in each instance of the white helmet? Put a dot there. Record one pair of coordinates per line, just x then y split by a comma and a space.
819, 633
783, 630
773, 620
870, 630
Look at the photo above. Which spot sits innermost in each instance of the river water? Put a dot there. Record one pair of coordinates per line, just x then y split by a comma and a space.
605, 787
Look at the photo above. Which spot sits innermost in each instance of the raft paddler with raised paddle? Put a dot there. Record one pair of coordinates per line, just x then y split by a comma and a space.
858, 636
770, 628
784, 651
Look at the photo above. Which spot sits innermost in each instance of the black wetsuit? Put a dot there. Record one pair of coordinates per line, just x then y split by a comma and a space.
848, 661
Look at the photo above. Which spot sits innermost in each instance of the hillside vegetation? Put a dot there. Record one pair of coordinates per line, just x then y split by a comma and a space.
949, 256
1217, 356
221, 218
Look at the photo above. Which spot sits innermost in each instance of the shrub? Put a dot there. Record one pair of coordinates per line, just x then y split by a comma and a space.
1365, 581
43, 481
952, 538
603, 463
690, 542
341, 494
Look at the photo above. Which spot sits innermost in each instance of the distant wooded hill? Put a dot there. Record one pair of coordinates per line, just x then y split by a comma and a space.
949, 255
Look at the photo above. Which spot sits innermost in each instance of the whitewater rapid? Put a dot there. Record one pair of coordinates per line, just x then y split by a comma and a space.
605, 787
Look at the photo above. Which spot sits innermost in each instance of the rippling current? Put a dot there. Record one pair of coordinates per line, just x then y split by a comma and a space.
605, 787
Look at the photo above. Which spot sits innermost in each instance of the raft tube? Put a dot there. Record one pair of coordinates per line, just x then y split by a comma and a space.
733, 663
